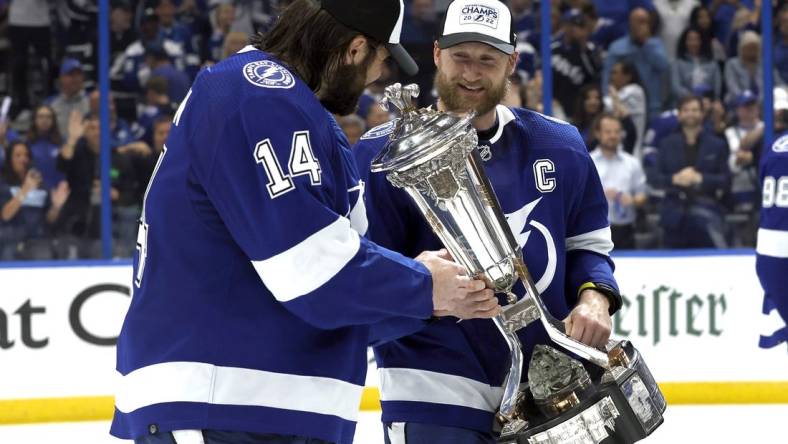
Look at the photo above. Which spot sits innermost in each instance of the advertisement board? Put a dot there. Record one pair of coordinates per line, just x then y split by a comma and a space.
695, 319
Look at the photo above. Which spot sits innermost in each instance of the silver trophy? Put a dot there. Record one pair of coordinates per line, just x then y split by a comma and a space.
433, 156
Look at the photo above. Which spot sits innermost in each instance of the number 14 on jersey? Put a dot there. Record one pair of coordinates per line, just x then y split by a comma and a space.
302, 162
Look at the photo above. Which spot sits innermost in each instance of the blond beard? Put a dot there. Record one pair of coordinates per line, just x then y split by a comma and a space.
452, 100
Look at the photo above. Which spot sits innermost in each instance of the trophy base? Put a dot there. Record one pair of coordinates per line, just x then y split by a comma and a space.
623, 406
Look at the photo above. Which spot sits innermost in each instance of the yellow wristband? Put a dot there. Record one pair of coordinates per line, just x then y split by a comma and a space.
586, 286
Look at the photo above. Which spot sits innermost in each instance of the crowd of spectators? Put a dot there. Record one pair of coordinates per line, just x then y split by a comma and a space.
665, 93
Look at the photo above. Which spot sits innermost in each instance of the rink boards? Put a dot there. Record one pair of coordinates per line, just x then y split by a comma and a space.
696, 318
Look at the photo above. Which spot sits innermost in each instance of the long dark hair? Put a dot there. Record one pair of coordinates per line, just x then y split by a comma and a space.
629, 70
706, 34
52, 136
581, 118
309, 40
705, 44
7, 173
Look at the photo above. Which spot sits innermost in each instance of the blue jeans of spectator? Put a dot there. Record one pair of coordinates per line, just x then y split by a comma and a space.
416, 433
223, 437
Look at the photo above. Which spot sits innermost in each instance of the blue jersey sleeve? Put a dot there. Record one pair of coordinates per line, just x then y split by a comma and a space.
588, 238
276, 176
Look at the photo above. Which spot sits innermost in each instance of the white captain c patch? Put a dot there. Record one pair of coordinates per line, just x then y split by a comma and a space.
268, 74
541, 168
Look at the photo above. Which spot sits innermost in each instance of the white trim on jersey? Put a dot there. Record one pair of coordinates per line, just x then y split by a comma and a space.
358, 214
597, 241
408, 384
396, 433
505, 115
246, 48
773, 243
210, 384
188, 437
308, 265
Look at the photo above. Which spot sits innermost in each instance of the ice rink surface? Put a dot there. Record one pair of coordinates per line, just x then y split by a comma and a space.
726, 424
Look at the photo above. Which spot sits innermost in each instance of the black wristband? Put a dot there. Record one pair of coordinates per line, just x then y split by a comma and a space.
613, 297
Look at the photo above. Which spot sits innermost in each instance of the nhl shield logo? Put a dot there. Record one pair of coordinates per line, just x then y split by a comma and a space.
267, 74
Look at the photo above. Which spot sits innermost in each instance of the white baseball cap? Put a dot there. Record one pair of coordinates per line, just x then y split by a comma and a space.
485, 21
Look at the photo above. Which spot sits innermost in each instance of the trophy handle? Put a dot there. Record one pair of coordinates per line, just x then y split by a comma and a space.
555, 328
531, 307
511, 385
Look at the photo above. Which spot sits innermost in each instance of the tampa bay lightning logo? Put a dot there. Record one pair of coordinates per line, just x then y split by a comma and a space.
517, 222
781, 145
268, 74
381, 130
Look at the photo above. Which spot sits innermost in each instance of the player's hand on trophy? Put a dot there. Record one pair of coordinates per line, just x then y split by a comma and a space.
590, 321
453, 292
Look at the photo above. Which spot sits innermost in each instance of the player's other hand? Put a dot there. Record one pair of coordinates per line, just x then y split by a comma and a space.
590, 321
453, 292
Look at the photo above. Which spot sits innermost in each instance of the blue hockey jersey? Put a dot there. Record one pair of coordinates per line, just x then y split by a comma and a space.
451, 373
772, 246
253, 285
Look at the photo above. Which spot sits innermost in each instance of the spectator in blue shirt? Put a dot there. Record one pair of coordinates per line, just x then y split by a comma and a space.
613, 17
646, 53
45, 140
26, 207
171, 29
129, 70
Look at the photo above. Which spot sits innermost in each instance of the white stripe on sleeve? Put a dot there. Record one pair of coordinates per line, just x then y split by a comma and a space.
772, 243
210, 384
311, 263
597, 241
408, 384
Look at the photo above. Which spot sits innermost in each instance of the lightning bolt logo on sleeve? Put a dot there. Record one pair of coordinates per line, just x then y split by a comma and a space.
517, 222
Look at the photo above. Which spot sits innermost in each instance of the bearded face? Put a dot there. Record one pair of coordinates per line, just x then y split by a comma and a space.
344, 86
474, 77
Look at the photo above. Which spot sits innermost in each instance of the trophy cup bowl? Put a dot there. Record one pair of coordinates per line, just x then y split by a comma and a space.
433, 156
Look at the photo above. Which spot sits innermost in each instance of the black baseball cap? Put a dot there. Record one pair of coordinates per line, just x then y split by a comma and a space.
379, 19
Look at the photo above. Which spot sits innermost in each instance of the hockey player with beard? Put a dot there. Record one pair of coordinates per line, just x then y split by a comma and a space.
254, 287
443, 383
